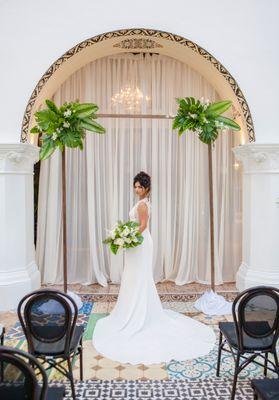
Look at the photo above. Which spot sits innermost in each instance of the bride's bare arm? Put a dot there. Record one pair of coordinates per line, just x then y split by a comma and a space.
143, 216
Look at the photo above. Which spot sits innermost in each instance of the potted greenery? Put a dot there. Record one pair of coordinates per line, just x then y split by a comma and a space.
61, 127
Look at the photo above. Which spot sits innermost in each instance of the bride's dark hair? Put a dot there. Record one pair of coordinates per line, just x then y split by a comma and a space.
145, 180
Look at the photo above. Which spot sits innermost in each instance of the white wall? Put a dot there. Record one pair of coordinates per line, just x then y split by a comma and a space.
241, 34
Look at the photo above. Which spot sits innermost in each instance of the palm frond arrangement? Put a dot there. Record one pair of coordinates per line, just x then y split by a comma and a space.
65, 126
204, 118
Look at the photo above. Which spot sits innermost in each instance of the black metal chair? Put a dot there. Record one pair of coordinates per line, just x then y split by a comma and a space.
265, 389
19, 381
254, 332
2, 334
48, 318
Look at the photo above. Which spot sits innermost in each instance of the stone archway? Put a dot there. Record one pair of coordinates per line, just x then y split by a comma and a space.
140, 40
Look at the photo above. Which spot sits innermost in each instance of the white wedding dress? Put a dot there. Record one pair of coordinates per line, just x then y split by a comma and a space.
139, 330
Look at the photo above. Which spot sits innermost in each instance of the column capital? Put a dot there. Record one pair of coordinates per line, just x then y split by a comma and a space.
18, 157
258, 157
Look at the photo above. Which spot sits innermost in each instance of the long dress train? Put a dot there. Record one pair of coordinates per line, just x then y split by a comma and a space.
139, 330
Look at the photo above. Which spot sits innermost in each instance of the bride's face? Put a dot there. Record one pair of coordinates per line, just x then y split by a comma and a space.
139, 190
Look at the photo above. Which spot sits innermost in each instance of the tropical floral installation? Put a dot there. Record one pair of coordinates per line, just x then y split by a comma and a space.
61, 127
203, 118
206, 120
65, 126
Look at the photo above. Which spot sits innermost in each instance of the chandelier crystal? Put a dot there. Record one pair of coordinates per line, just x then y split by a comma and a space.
130, 98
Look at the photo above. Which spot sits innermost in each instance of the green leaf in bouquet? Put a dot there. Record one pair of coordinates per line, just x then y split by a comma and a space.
208, 135
86, 109
114, 248
71, 139
60, 145
43, 119
229, 123
92, 126
47, 150
85, 106
35, 129
52, 106
216, 109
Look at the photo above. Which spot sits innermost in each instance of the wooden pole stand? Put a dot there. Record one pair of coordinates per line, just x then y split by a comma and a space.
64, 222
211, 218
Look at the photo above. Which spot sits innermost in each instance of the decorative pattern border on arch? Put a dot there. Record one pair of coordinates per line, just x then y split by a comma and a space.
150, 33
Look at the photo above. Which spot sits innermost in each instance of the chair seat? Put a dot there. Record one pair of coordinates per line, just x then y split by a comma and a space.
249, 343
54, 349
267, 389
16, 391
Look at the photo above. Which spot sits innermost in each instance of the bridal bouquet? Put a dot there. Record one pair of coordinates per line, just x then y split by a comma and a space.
124, 235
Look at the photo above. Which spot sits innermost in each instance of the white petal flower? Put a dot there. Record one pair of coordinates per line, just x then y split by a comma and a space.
67, 113
119, 242
112, 234
54, 136
126, 231
193, 115
66, 124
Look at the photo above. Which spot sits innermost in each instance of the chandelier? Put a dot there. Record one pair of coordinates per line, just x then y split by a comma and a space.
130, 98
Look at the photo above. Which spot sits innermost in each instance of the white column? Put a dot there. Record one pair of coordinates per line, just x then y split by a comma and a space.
260, 253
18, 271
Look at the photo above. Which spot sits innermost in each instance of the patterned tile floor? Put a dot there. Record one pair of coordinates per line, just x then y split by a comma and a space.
101, 369
162, 287
206, 389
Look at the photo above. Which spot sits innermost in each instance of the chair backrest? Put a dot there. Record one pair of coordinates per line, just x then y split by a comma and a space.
48, 316
256, 314
17, 378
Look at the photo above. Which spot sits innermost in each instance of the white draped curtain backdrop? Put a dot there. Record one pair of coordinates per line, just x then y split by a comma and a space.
100, 179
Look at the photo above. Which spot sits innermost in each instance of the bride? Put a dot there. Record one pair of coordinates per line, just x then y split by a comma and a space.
139, 330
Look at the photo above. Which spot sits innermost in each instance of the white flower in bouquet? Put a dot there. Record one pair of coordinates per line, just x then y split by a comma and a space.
126, 231
67, 113
119, 242
112, 234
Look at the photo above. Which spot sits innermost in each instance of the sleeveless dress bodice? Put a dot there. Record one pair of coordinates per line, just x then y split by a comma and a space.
133, 214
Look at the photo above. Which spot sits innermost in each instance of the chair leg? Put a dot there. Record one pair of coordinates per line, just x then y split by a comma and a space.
235, 375
71, 377
265, 363
219, 354
81, 361
276, 361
